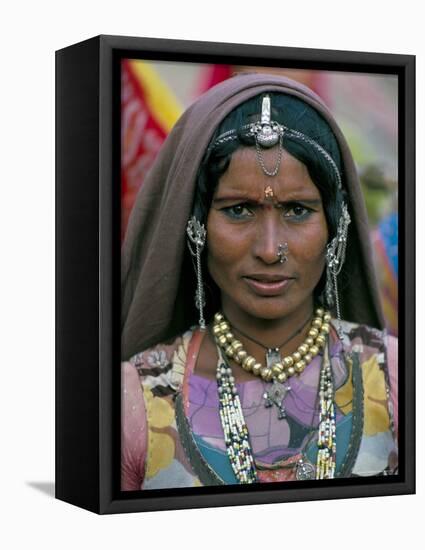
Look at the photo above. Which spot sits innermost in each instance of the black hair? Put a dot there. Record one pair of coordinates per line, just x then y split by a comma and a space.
292, 113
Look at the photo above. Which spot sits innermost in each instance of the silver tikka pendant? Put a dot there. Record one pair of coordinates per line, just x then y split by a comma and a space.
277, 392
267, 131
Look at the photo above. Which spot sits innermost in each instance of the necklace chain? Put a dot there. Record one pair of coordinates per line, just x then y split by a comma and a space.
290, 365
300, 329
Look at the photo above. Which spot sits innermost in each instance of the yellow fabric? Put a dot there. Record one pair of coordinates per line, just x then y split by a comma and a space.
344, 394
376, 418
161, 447
161, 101
160, 411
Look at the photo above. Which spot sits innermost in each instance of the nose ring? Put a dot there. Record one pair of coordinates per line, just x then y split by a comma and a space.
282, 251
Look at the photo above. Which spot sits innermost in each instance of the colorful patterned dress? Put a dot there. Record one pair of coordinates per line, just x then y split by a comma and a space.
171, 430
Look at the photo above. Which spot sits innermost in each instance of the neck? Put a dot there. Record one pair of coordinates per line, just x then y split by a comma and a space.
270, 332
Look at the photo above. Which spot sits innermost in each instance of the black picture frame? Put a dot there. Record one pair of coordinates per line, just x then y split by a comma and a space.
88, 272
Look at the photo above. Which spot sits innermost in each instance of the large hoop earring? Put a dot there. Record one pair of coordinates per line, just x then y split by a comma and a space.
197, 235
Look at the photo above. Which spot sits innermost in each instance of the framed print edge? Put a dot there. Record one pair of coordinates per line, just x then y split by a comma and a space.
87, 457
77, 275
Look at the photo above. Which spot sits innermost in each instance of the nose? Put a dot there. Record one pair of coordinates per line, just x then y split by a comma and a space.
268, 237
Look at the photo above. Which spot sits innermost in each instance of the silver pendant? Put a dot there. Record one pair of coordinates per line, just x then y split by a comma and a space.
305, 470
275, 396
267, 131
277, 392
272, 357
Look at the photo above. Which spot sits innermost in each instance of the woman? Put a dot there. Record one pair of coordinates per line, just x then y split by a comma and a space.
254, 207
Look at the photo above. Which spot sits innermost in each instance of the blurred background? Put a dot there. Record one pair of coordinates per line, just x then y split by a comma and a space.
155, 94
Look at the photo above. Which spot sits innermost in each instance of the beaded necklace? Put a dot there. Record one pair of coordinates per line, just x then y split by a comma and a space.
236, 433
276, 369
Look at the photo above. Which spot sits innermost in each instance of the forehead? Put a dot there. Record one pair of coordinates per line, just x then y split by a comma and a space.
246, 176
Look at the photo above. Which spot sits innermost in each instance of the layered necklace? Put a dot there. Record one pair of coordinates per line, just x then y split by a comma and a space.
277, 371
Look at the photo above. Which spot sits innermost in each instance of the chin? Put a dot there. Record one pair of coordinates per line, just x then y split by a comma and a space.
270, 308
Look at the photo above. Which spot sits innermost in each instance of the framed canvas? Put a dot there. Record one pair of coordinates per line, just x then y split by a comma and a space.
235, 274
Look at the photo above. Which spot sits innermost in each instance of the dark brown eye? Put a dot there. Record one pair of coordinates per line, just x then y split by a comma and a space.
237, 211
297, 212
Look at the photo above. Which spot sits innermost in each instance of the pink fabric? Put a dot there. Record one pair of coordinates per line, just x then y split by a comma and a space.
133, 429
392, 347
192, 355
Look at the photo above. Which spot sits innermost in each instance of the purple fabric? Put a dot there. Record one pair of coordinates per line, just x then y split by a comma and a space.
269, 436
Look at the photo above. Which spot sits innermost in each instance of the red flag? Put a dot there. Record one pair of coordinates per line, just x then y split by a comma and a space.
148, 112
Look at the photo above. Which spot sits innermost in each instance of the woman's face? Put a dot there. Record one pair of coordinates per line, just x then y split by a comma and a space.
245, 227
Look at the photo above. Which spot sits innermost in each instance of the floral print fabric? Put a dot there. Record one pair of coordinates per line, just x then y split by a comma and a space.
165, 446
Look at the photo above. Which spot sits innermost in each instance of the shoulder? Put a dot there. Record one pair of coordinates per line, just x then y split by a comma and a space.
359, 337
376, 349
163, 363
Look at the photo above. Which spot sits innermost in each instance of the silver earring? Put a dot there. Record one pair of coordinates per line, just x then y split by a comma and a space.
197, 235
335, 257
282, 251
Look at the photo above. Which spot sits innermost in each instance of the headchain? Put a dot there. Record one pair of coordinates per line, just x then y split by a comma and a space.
283, 131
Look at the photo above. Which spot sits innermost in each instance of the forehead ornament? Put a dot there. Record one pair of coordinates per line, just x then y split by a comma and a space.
268, 192
267, 134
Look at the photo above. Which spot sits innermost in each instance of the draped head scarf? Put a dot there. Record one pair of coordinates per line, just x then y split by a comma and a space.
157, 280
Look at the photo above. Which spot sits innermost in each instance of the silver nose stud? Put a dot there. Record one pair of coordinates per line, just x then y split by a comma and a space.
282, 251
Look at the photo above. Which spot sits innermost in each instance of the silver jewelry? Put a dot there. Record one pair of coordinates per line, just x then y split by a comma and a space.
236, 434
197, 235
268, 133
305, 470
275, 395
320, 149
282, 251
335, 257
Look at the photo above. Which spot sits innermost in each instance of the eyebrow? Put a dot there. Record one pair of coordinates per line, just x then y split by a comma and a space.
311, 202
236, 198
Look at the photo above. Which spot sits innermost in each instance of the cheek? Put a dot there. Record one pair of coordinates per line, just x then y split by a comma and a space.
225, 248
309, 245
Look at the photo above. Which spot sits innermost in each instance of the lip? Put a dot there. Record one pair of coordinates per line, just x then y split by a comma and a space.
268, 285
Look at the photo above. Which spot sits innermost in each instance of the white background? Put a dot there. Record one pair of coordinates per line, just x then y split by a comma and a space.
30, 33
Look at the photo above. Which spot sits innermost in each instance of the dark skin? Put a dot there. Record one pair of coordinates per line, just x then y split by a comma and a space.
244, 229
